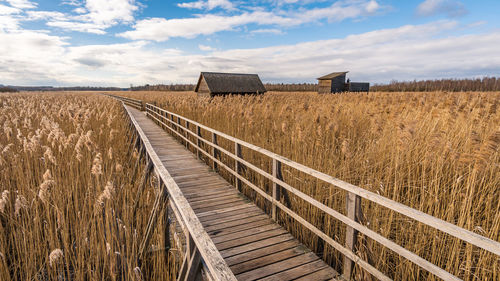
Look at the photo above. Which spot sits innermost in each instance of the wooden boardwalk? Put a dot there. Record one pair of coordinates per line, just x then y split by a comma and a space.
253, 245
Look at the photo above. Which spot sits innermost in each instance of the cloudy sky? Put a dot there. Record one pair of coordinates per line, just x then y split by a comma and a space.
123, 42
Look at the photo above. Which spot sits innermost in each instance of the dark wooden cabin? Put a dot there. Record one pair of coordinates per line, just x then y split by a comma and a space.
335, 82
213, 83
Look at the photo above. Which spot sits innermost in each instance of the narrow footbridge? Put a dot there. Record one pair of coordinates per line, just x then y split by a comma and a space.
226, 236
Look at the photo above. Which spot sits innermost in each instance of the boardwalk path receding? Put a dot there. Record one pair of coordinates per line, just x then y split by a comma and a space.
253, 245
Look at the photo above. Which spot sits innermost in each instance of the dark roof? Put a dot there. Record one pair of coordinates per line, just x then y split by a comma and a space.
232, 83
332, 75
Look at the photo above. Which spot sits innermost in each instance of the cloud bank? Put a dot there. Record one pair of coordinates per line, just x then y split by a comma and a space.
407, 52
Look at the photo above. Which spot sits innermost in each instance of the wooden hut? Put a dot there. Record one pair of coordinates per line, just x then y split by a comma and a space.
214, 83
335, 82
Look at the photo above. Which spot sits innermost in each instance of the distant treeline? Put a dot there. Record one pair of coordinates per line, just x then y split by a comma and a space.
450, 85
49, 88
161, 87
7, 90
301, 87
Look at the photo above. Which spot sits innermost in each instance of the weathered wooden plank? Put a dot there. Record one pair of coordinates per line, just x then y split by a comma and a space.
248, 226
251, 238
273, 257
256, 245
270, 269
243, 234
220, 226
326, 273
254, 254
296, 272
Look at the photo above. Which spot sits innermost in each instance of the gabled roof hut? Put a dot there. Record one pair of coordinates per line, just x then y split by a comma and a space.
214, 83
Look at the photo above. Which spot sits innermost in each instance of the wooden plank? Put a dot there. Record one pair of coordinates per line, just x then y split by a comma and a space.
273, 257
245, 233
270, 269
203, 204
217, 219
249, 239
254, 254
225, 231
326, 273
299, 271
217, 207
231, 209
255, 245
231, 224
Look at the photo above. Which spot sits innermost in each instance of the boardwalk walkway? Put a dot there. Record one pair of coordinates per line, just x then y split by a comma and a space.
254, 247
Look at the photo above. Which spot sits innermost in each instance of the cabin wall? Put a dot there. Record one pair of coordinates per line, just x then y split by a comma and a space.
325, 86
338, 84
203, 86
359, 87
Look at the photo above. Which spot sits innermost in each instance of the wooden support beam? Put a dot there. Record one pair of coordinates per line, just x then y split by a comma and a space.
276, 188
153, 218
237, 165
353, 208
198, 143
215, 152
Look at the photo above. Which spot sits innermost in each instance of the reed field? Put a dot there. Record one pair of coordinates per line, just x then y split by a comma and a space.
437, 152
69, 183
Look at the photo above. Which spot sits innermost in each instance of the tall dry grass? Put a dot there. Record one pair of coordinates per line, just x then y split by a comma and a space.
437, 152
69, 180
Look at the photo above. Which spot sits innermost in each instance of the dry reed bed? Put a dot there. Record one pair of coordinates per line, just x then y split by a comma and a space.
69, 179
437, 152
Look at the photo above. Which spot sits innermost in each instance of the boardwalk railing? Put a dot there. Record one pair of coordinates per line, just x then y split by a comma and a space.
200, 250
183, 129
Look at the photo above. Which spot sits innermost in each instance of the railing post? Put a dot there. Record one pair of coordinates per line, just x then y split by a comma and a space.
187, 134
237, 165
276, 188
198, 141
143, 106
215, 152
179, 130
353, 207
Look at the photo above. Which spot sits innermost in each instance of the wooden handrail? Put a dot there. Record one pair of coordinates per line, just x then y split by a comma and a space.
458, 232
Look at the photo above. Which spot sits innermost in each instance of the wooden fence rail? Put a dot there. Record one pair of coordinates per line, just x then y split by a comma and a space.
181, 127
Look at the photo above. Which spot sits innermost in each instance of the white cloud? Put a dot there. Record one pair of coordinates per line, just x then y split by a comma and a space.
161, 29
110, 12
21, 4
404, 53
208, 4
452, 8
87, 27
45, 15
6, 10
267, 30
205, 48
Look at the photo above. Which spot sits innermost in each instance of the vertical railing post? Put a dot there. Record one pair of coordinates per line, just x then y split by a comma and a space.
198, 141
143, 106
186, 133
215, 152
237, 165
276, 188
179, 130
353, 208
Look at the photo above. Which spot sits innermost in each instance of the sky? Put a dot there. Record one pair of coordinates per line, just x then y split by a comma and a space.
136, 42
